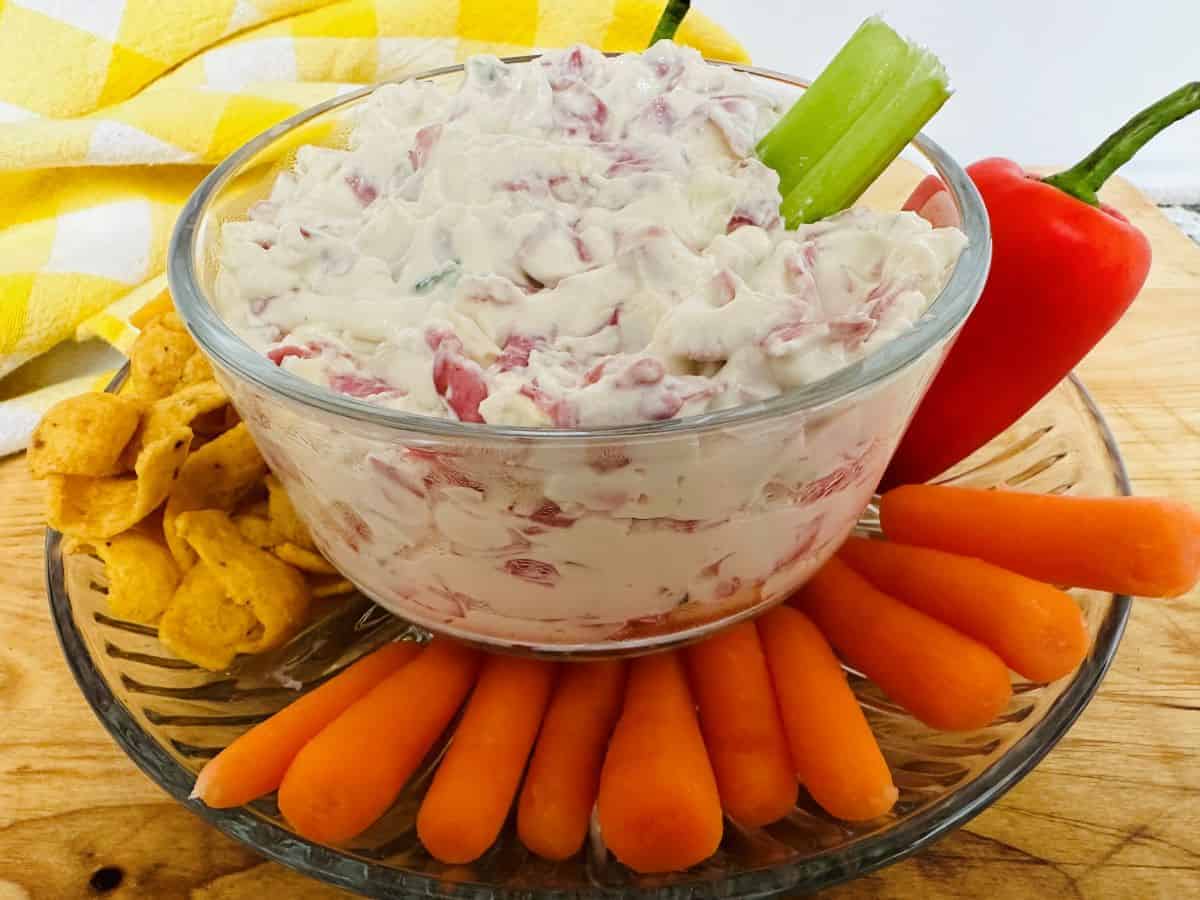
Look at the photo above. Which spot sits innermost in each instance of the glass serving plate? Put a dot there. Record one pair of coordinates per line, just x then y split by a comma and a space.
170, 717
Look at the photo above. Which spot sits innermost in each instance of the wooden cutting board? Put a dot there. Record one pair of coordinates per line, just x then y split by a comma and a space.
1112, 812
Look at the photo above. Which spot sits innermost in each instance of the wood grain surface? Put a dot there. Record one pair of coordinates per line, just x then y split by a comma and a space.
1112, 812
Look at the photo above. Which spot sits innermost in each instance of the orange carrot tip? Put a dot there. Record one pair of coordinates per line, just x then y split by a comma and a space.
742, 729
1144, 546
474, 786
1036, 629
255, 763
658, 806
564, 774
832, 747
346, 777
944, 678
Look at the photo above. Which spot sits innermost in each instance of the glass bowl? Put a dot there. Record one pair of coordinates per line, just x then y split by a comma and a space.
170, 717
570, 541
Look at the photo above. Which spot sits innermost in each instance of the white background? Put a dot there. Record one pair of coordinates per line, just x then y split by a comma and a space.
1041, 82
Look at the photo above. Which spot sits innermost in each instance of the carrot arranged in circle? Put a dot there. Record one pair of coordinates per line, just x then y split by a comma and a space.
476, 781
739, 719
1145, 546
941, 676
564, 773
348, 775
658, 805
255, 763
832, 746
1036, 629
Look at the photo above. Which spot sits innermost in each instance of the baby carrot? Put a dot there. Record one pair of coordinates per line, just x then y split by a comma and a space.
740, 722
475, 783
564, 774
1036, 629
658, 805
833, 750
254, 764
348, 775
1145, 546
944, 678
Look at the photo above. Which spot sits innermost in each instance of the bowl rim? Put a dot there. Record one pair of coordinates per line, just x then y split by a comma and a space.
217, 339
859, 857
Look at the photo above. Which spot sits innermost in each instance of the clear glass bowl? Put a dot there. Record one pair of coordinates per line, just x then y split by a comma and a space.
170, 717
570, 541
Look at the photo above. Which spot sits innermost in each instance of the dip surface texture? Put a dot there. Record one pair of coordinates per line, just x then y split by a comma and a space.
578, 241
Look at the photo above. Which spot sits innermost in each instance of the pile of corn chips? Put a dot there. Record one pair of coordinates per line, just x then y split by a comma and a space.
163, 483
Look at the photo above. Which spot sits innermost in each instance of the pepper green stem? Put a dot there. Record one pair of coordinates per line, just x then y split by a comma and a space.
1084, 179
668, 24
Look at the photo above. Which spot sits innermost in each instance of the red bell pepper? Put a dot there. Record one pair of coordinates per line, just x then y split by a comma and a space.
1065, 268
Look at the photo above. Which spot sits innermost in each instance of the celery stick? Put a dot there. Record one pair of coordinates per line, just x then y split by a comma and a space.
852, 122
873, 59
869, 146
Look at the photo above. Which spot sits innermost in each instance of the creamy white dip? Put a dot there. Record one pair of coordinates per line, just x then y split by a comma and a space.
581, 241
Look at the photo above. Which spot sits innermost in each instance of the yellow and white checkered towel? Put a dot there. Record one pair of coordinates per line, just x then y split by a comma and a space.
111, 111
